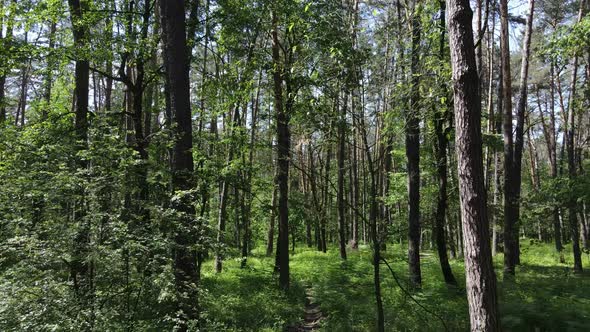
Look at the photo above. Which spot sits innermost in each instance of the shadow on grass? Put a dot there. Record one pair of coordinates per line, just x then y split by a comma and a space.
542, 298
545, 298
249, 299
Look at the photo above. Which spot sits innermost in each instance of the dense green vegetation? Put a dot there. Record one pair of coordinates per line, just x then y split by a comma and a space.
546, 295
252, 165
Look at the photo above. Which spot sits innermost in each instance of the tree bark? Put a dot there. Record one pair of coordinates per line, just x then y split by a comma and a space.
273, 216
519, 135
283, 146
80, 265
177, 71
571, 160
480, 277
374, 229
413, 156
550, 140
441, 170
510, 194
341, 170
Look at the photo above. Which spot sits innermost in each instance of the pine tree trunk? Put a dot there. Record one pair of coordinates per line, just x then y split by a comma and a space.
519, 135
480, 276
571, 161
510, 194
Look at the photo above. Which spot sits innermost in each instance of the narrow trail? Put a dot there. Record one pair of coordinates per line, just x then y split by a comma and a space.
313, 315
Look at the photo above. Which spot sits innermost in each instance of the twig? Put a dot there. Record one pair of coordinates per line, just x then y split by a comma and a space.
413, 299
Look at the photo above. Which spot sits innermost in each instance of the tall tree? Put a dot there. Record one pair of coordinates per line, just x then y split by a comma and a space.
441, 118
479, 271
520, 122
413, 153
341, 171
510, 199
283, 146
177, 74
80, 265
571, 158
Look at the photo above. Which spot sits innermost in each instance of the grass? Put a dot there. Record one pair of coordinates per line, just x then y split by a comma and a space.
545, 296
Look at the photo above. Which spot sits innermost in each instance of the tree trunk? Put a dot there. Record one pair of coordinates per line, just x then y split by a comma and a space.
571, 160
413, 156
6, 40
283, 146
247, 214
80, 265
341, 156
23, 92
480, 277
224, 195
441, 171
550, 140
48, 80
510, 198
273, 216
327, 201
519, 135
374, 229
177, 71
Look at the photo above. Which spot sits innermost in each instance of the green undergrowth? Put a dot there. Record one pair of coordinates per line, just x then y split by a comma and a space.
545, 296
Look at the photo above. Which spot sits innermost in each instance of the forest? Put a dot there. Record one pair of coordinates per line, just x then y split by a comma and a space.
294, 165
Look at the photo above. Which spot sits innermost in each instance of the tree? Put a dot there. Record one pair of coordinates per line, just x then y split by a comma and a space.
341, 156
7, 41
283, 146
571, 159
510, 194
80, 264
519, 135
480, 277
440, 147
176, 66
413, 154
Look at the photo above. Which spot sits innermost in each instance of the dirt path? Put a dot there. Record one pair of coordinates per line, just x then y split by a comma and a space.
313, 315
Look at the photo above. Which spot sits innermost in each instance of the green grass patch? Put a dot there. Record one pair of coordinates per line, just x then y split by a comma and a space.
545, 295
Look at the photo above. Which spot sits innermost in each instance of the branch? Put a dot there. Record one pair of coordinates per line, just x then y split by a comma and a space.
125, 80
410, 295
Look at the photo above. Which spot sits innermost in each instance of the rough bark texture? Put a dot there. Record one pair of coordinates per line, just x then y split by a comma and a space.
283, 145
510, 198
480, 277
177, 71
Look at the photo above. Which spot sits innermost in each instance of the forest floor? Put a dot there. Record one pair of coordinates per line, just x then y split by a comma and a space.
546, 295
